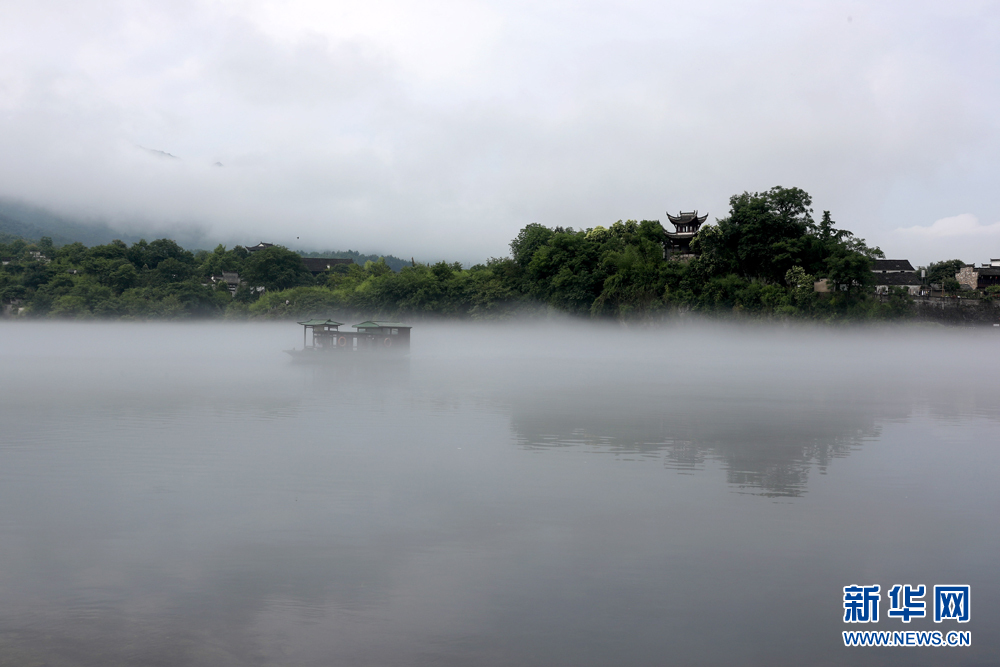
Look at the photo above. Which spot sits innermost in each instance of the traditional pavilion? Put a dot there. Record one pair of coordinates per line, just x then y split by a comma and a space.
686, 225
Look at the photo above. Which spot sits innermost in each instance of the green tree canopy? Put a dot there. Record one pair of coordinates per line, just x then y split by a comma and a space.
275, 268
768, 233
938, 272
150, 255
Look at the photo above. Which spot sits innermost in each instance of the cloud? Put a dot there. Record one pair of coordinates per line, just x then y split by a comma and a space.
438, 128
965, 225
955, 237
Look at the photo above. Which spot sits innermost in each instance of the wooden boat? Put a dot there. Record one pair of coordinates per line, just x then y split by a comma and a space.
323, 341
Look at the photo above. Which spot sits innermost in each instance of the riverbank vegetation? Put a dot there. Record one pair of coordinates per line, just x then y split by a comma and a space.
761, 260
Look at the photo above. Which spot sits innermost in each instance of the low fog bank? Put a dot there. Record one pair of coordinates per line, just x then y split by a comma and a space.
568, 363
689, 361
771, 405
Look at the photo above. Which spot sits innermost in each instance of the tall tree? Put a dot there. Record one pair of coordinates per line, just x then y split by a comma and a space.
275, 268
759, 238
938, 272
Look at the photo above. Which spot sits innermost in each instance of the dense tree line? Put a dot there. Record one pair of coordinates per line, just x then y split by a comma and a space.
144, 280
761, 260
395, 263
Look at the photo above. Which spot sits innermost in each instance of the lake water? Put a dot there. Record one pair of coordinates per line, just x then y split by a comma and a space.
534, 494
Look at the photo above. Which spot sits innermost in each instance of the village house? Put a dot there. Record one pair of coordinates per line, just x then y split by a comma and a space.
909, 279
893, 266
231, 278
979, 277
888, 273
896, 273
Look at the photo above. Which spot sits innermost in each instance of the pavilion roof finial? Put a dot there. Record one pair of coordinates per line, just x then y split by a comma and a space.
688, 218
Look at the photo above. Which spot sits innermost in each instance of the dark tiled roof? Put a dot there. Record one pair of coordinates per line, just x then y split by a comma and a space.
988, 271
899, 278
686, 217
892, 265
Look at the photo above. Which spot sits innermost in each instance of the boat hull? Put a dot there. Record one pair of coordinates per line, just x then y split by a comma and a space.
337, 356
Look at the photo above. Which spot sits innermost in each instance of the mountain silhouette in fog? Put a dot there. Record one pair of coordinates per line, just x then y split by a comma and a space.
22, 220
19, 219
32, 223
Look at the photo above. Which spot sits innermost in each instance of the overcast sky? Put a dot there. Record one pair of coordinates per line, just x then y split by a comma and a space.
439, 128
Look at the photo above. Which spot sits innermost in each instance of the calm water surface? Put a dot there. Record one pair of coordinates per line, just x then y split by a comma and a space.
529, 495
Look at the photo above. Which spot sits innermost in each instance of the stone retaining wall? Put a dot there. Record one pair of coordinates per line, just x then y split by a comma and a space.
953, 310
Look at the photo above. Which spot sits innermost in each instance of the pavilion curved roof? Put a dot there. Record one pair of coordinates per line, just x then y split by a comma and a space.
320, 323
683, 218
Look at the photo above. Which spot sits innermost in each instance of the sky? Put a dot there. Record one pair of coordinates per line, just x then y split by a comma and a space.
437, 129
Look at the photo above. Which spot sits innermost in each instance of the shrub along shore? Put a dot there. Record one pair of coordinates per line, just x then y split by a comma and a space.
760, 261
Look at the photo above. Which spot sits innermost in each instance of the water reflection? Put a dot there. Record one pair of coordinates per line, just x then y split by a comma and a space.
765, 447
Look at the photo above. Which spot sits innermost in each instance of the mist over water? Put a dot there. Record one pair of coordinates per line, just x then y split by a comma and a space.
532, 493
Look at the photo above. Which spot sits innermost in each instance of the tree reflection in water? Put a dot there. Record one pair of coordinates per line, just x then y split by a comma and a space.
766, 447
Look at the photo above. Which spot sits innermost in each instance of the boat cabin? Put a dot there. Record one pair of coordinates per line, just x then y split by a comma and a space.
385, 334
325, 335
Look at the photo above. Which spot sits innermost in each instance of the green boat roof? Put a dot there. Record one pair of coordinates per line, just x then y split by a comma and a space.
319, 323
375, 324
